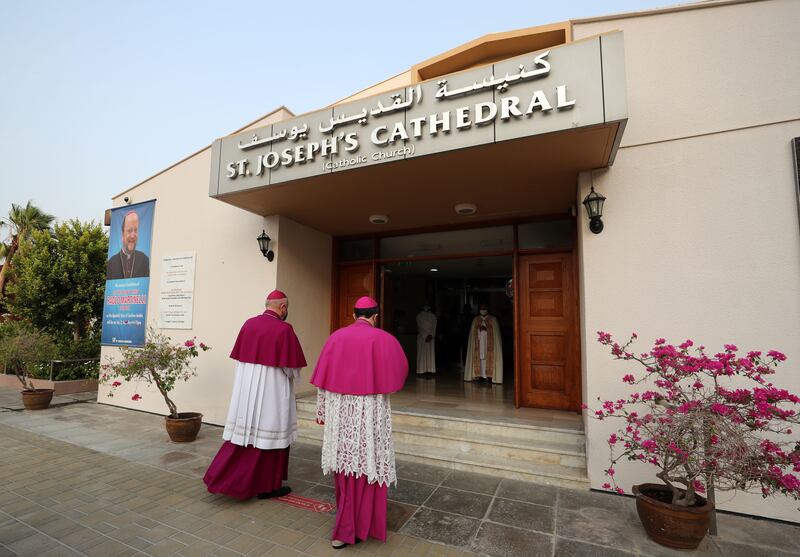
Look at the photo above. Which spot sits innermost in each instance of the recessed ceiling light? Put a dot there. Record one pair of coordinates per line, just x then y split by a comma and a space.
466, 208
434, 269
378, 219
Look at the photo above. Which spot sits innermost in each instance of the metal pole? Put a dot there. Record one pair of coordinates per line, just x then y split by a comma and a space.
51, 370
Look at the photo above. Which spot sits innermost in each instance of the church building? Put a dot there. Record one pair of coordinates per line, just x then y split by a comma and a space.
633, 172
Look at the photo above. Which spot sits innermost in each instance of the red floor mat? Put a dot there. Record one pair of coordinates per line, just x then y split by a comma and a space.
305, 503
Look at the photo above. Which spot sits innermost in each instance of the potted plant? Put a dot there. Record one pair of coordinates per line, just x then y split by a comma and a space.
703, 422
160, 362
21, 349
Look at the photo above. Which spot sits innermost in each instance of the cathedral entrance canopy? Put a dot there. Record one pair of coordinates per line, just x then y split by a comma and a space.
509, 137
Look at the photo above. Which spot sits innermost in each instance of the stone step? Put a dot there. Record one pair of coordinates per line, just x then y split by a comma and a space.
548, 474
464, 427
533, 453
531, 450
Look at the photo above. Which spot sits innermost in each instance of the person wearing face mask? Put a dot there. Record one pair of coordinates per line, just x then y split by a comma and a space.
262, 416
484, 362
426, 342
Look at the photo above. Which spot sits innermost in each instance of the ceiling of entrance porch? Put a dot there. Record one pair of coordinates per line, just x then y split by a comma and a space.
513, 179
464, 268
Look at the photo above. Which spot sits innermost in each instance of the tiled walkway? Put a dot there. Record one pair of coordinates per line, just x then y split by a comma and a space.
89, 479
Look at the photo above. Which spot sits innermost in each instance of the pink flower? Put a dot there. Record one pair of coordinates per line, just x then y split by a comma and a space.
780, 356
649, 445
620, 491
629, 379
188, 343
606, 486
613, 439
203, 345
610, 471
731, 347
698, 486
115, 384
136, 397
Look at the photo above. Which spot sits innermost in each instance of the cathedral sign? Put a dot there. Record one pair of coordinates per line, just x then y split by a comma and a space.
574, 85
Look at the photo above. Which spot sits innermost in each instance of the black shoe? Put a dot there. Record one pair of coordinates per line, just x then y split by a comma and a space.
285, 490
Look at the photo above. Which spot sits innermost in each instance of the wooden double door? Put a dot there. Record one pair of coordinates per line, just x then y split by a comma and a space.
547, 373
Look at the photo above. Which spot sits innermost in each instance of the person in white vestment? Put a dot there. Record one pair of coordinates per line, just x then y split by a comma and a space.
484, 358
426, 342
262, 416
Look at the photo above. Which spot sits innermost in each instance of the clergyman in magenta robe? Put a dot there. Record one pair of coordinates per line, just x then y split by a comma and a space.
262, 416
360, 365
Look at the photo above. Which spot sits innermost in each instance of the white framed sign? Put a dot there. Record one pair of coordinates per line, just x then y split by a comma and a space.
176, 291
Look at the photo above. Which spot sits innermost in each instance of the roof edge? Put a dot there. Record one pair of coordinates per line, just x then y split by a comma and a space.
702, 4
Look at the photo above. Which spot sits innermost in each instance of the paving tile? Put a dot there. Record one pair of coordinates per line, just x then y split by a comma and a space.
742, 550
575, 500
572, 548
15, 531
33, 545
410, 492
527, 492
459, 502
505, 541
305, 470
165, 548
523, 515
299, 486
200, 548
82, 538
397, 514
321, 493
58, 551
437, 526
421, 472
468, 481
740, 530
307, 452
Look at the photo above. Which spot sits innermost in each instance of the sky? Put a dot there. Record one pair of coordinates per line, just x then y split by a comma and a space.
97, 96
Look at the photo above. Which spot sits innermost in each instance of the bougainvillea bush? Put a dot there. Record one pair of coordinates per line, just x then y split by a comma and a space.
160, 362
703, 419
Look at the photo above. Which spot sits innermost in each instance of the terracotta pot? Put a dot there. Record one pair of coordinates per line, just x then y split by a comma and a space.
668, 524
185, 427
37, 399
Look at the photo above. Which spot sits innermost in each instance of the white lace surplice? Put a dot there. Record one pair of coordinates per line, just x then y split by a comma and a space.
358, 436
263, 411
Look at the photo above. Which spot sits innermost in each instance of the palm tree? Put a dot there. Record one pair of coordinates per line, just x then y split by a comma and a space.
21, 222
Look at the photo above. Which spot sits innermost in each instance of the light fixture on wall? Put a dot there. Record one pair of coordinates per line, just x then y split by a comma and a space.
263, 245
594, 208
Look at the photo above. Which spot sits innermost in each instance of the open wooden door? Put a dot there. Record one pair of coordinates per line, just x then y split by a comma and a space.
353, 281
548, 320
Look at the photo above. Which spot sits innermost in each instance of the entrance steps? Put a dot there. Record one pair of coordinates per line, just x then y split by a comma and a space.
535, 453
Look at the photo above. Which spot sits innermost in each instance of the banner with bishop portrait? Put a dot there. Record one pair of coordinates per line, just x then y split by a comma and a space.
128, 275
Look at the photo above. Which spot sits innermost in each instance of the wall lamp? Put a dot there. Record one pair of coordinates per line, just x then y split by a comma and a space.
594, 208
263, 245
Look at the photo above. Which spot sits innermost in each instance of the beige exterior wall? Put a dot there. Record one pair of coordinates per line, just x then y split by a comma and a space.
702, 238
304, 273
